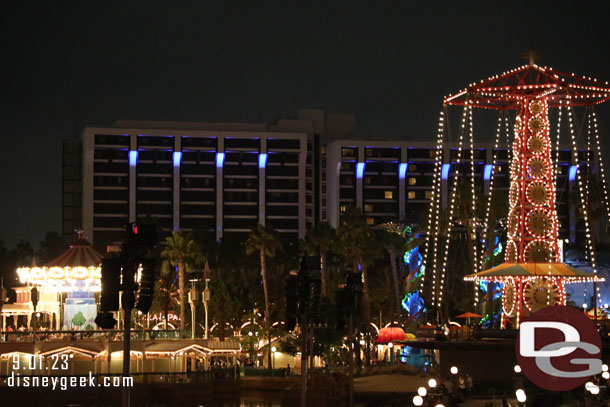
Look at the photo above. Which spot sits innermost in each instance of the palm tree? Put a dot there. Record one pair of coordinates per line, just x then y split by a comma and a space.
394, 245
319, 241
265, 241
356, 238
182, 251
167, 294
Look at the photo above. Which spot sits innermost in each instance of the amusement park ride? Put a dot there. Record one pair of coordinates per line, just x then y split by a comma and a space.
532, 276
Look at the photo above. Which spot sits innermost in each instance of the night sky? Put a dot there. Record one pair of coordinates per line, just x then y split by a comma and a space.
67, 65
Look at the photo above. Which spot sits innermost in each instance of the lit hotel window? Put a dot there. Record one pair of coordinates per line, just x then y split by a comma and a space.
411, 195
412, 181
368, 208
370, 221
343, 208
428, 194
388, 194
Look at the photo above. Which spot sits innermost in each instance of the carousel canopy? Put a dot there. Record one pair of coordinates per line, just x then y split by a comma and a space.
80, 254
557, 270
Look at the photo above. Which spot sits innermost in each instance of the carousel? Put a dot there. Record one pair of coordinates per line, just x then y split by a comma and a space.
66, 289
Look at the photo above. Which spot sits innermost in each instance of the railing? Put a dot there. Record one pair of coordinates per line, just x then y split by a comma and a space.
109, 335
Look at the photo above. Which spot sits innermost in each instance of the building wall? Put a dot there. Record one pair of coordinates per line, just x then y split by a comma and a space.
394, 180
213, 180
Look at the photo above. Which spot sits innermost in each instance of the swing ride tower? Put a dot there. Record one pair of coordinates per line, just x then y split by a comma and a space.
532, 276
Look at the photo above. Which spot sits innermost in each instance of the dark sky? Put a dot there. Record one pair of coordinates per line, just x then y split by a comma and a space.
67, 65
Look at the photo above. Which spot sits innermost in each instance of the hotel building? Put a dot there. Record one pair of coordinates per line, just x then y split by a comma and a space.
290, 174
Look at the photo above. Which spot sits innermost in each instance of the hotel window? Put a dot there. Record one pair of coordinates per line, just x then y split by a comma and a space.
348, 152
367, 180
389, 194
323, 150
368, 208
432, 153
411, 195
429, 194
370, 221
343, 208
498, 168
412, 181
412, 167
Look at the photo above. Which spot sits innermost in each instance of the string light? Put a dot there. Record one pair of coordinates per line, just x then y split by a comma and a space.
452, 205
593, 118
473, 228
501, 117
582, 199
433, 221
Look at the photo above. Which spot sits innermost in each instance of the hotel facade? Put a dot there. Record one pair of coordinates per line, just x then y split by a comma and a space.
226, 178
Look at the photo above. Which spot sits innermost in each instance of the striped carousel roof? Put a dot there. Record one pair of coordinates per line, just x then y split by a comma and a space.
80, 254
560, 270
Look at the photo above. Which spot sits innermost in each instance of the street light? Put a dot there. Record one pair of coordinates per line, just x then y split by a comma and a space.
520, 393
517, 369
453, 370
193, 297
418, 401
432, 383
206, 299
422, 391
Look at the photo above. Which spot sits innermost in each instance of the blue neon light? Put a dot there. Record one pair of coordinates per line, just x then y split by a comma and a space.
177, 158
133, 158
445, 171
262, 160
402, 170
572, 173
360, 170
487, 172
220, 160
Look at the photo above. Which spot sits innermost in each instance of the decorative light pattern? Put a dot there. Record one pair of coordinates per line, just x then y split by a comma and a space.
593, 123
433, 221
458, 160
62, 278
473, 210
583, 201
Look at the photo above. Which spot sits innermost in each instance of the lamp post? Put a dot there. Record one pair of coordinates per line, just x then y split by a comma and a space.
206, 299
193, 296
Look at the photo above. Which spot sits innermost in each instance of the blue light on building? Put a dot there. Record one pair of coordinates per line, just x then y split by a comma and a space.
572, 173
133, 158
445, 171
177, 158
220, 160
360, 170
487, 172
402, 170
262, 160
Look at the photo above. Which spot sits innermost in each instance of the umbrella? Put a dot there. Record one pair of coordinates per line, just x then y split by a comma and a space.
469, 315
567, 273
